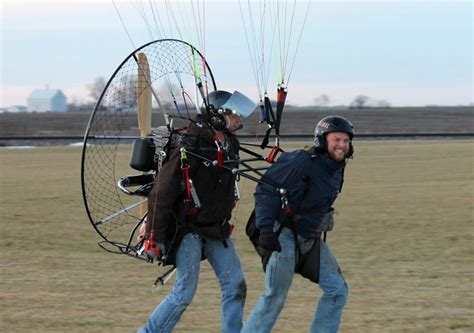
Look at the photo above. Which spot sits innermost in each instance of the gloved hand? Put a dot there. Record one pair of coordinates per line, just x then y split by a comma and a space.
269, 241
154, 250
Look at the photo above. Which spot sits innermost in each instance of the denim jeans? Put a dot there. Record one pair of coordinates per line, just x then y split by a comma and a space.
278, 278
226, 265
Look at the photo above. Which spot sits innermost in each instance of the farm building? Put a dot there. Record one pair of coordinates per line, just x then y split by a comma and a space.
17, 108
42, 100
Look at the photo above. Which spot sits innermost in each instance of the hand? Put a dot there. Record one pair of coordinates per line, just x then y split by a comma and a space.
154, 250
269, 241
141, 231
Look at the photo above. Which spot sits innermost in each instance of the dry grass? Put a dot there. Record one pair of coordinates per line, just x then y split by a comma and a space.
446, 119
403, 237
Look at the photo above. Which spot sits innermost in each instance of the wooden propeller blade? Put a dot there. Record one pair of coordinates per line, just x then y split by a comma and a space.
143, 96
143, 105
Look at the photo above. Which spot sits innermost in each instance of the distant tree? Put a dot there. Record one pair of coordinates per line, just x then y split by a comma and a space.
322, 100
359, 102
96, 88
77, 105
73, 105
383, 104
364, 102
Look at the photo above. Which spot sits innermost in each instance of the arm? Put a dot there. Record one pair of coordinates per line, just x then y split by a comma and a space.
289, 171
166, 190
267, 207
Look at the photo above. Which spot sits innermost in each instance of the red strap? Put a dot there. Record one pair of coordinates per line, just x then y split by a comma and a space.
220, 158
273, 153
150, 245
185, 170
220, 152
281, 94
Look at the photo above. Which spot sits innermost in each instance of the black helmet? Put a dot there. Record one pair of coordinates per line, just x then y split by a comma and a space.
331, 124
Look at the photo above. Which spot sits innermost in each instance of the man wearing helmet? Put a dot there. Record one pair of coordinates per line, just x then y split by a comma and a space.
199, 197
292, 236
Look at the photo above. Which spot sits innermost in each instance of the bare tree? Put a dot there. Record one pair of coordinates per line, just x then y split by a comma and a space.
322, 100
77, 105
359, 102
383, 104
364, 102
73, 105
96, 88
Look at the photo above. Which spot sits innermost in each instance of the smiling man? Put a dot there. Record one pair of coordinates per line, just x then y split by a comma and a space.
338, 145
291, 236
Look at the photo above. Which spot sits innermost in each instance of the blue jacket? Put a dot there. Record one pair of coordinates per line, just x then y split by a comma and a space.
312, 181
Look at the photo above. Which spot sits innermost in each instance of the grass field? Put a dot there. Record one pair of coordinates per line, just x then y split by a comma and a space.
404, 238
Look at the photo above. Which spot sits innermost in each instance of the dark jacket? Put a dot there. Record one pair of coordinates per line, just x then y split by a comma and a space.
214, 186
313, 182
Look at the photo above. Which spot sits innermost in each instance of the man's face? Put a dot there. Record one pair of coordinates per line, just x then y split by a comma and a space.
232, 122
338, 145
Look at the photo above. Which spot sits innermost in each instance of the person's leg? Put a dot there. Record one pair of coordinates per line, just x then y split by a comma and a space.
335, 292
168, 313
226, 265
278, 278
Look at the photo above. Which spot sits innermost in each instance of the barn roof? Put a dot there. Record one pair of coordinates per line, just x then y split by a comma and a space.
45, 93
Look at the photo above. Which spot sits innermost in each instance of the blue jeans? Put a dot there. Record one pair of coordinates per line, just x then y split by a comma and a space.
278, 278
226, 265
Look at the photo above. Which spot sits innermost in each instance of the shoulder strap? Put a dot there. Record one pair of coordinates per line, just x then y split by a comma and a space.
342, 179
306, 178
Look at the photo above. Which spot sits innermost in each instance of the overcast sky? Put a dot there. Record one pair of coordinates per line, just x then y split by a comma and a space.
404, 52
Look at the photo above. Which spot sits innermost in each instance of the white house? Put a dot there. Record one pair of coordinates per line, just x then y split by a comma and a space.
42, 100
17, 108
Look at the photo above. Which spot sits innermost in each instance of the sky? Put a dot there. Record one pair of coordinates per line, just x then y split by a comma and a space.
408, 53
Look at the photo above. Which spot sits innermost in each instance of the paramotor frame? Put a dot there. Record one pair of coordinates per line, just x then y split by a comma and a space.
176, 68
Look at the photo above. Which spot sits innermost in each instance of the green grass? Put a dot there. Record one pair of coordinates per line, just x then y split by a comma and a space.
403, 236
